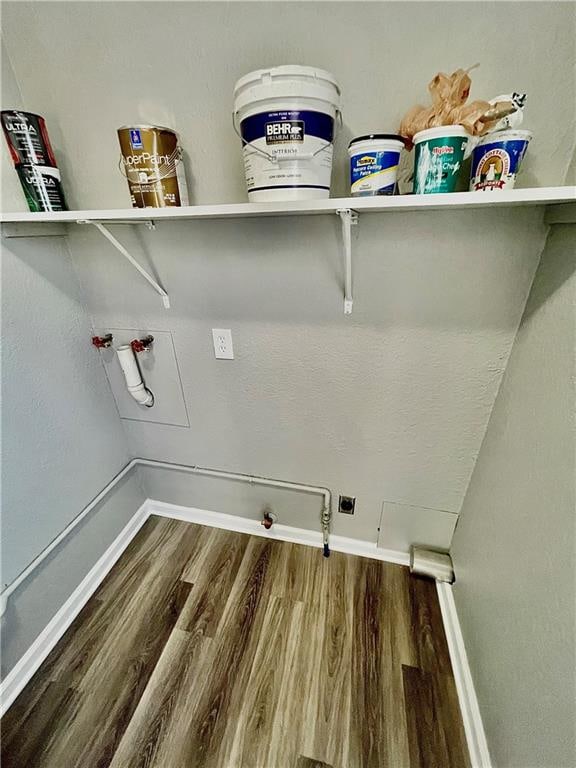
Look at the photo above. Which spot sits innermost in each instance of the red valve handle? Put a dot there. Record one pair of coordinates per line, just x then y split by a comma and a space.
141, 345
101, 342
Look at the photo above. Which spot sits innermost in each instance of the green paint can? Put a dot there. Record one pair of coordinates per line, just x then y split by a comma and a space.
438, 161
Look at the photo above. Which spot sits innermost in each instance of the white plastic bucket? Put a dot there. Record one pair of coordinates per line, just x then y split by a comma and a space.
496, 160
286, 118
374, 164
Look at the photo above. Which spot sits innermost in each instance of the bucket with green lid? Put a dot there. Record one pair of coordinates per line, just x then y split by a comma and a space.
439, 156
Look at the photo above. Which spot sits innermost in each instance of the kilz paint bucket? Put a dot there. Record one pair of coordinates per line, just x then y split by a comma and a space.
439, 155
496, 160
152, 163
34, 160
374, 164
286, 117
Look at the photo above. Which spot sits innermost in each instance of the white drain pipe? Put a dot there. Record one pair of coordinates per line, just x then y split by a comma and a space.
133, 377
252, 479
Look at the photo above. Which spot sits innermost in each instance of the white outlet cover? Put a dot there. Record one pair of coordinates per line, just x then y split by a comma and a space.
223, 348
159, 371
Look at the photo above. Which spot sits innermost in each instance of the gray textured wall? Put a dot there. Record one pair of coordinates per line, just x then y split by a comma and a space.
514, 547
388, 404
62, 438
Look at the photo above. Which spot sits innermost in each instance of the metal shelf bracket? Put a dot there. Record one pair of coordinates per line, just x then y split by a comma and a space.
348, 218
120, 248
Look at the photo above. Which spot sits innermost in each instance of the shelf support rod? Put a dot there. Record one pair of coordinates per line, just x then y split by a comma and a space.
120, 248
348, 218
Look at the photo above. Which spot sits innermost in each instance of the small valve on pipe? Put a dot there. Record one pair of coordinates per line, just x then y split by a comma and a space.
102, 342
142, 345
268, 518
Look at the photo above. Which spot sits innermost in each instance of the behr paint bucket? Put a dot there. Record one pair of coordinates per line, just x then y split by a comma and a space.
374, 164
496, 160
285, 117
439, 156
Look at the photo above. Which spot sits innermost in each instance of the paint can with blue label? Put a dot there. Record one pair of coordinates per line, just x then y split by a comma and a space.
496, 160
151, 161
285, 117
374, 164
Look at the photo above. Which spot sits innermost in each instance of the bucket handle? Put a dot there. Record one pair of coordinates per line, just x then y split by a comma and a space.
167, 170
272, 158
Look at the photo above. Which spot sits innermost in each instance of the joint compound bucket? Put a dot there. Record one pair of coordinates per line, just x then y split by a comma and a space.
496, 160
439, 155
152, 163
374, 164
285, 117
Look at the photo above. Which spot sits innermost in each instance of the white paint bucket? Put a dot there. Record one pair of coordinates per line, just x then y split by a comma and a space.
374, 164
285, 117
496, 160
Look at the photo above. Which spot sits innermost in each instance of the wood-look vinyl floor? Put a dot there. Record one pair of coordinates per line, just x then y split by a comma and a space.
206, 648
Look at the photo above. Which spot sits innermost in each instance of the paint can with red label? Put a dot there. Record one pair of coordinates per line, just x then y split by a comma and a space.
33, 157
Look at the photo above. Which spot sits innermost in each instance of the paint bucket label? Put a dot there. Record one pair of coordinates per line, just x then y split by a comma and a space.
495, 164
437, 164
136, 139
373, 173
152, 163
27, 138
287, 149
42, 188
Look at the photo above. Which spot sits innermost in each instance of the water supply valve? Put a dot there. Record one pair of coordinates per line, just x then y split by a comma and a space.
142, 345
102, 342
268, 518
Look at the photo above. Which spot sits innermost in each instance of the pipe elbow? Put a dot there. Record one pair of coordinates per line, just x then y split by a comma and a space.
142, 395
131, 370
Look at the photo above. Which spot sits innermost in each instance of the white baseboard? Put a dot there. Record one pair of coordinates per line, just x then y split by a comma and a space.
29, 663
279, 532
473, 727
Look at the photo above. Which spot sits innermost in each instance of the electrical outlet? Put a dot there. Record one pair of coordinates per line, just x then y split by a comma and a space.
347, 504
222, 338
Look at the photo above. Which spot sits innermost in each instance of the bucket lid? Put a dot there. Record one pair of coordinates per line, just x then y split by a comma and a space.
508, 134
288, 80
376, 136
440, 132
287, 71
